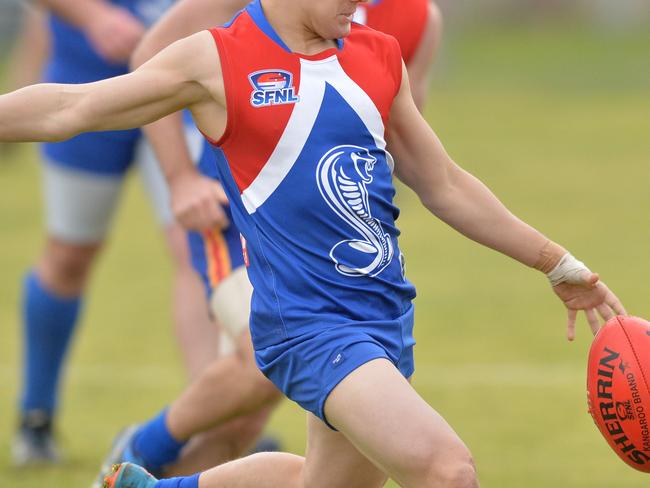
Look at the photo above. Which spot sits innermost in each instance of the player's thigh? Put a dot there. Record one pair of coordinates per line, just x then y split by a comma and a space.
79, 205
261, 387
333, 462
386, 419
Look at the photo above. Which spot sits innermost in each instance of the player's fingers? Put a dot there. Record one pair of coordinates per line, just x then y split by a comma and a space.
184, 222
592, 318
571, 324
207, 217
217, 217
197, 214
615, 304
605, 311
190, 218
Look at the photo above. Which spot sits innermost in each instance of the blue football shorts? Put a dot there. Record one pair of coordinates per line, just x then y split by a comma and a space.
215, 254
307, 368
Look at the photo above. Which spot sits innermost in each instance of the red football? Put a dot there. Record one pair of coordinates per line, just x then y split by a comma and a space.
617, 388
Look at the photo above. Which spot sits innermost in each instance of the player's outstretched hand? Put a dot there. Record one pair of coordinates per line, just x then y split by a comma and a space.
197, 202
115, 33
586, 292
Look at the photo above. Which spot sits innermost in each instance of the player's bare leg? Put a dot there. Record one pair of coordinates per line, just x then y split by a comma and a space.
218, 416
51, 308
331, 462
199, 338
221, 444
79, 208
385, 418
380, 414
222, 413
197, 334
386, 429
230, 387
229, 439
64, 267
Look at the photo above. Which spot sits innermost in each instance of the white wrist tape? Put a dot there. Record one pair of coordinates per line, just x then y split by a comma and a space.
568, 270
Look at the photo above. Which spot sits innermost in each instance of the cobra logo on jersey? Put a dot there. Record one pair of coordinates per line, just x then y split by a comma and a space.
272, 87
343, 175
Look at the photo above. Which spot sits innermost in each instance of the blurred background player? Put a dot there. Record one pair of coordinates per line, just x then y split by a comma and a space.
91, 40
416, 24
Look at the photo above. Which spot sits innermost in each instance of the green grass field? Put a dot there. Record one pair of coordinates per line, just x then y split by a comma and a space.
556, 121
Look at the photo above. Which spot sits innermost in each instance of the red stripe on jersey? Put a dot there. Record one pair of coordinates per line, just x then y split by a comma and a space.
250, 149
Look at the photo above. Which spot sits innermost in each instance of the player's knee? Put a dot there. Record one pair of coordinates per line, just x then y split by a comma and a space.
71, 268
426, 468
66, 268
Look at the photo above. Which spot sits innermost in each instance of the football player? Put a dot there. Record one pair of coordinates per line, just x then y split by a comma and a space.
305, 162
90, 41
416, 25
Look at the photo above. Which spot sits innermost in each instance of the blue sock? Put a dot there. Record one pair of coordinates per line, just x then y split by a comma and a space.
187, 482
155, 444
48, 324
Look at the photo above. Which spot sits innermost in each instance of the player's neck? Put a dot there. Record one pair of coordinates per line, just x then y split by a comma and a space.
293, 29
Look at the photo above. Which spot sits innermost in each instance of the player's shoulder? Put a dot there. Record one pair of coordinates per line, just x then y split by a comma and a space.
362, 31
362, 34
374, 43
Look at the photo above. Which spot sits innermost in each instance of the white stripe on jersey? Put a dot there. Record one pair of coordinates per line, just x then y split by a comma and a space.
313, 76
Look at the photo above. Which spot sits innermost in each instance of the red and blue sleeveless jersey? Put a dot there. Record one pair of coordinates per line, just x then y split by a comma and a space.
304, 163
405, 20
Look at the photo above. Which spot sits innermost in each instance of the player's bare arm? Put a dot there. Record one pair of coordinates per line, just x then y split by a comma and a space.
467, 205
196, 199
185, 75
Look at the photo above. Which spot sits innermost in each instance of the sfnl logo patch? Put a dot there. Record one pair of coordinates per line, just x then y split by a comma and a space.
272, 87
